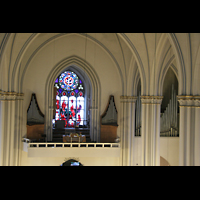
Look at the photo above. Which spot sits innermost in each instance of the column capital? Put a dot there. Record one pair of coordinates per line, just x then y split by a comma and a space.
151, 99
10, 96
188, 101
129, 99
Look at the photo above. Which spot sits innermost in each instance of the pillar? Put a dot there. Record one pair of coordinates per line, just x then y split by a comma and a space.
10, 128
189, 131
94, 126
127, 129
150, 130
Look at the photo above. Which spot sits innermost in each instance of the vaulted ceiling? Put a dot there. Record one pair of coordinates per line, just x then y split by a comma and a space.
146, 54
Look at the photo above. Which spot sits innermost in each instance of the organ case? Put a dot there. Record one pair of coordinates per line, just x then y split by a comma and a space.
109, 122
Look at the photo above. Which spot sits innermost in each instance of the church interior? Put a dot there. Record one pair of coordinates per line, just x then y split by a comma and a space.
99, 99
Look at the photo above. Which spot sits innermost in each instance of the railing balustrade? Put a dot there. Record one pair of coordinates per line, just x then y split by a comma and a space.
70, 145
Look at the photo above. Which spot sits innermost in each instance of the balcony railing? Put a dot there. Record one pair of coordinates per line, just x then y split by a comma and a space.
42, 149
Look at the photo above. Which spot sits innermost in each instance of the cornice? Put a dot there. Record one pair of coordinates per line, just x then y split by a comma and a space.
131, 99
151, 99
188, 97
189, 101
11, 96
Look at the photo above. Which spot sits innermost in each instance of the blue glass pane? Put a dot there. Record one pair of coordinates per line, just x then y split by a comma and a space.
56, 80
76, 91
60, 90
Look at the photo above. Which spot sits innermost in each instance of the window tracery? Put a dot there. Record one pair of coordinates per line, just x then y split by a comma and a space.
70, 99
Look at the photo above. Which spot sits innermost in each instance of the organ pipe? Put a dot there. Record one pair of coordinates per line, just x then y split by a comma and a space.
138, 116
168, 121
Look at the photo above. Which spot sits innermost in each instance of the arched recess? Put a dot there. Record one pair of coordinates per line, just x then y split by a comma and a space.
133, 78
168, 51
163, 58
170, 79
169, 121
138, 63
87, 73
163, 72
179, 61
138, 107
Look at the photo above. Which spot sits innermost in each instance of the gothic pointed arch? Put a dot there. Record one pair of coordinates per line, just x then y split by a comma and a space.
92, 85
180, 62
70, 100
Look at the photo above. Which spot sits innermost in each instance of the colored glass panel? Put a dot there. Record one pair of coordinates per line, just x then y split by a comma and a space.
80, 110
70, 99
68, 80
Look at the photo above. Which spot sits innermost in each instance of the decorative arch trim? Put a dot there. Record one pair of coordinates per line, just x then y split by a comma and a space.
180, 62
18, 73
135, 82
139, 62
162, 74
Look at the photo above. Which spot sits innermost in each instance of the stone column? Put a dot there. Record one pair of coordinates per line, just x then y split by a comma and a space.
94, 127
48, 124
150, 130
10, 127
127, 129
189, 131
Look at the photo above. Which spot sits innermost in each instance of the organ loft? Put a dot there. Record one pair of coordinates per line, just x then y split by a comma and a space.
104, 99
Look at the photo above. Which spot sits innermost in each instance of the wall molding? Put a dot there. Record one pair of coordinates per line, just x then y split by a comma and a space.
189, 101
151, 99
128, 99
11, 96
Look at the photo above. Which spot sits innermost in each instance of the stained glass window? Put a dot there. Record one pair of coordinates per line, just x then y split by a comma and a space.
70, 99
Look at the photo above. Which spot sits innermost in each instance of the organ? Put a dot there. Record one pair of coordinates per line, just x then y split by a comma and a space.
169, 119
109, 122
35, 120
138, 116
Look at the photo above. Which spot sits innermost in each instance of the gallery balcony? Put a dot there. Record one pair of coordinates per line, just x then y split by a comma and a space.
42, 149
